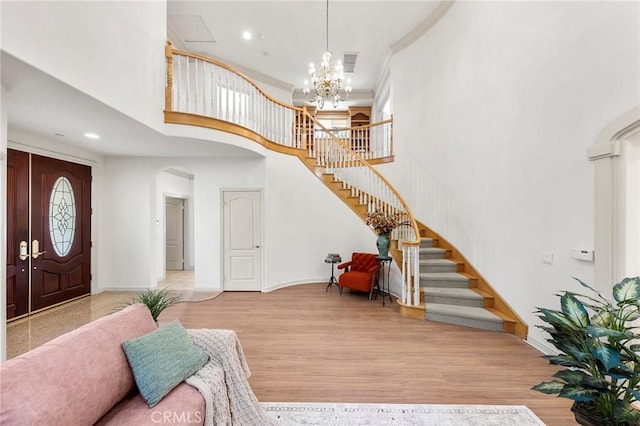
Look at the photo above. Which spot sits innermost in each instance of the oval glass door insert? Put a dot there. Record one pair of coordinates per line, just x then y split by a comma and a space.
62, 216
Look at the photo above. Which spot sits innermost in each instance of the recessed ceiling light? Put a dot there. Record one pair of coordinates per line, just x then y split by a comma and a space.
92, 136
246, 35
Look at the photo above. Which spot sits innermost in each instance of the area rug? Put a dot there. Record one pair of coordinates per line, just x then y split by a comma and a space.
304, 413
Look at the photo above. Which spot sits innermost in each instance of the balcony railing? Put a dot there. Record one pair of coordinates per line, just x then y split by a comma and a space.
205, 92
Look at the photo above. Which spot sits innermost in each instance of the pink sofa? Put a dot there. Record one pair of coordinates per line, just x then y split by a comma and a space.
83, 378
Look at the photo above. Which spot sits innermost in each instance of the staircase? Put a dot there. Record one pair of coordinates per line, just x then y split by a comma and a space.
452, 291
447, 295
438, 283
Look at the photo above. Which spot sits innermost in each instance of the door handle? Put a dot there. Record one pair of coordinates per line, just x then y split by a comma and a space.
23, 253
257, 246
35, 247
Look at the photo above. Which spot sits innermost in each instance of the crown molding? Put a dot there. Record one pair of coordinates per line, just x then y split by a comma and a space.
423, 27
408, 39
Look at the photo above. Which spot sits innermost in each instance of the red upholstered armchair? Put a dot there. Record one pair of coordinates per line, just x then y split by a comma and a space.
360, 273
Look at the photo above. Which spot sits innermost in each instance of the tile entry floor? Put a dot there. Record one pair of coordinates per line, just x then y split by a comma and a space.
27, 333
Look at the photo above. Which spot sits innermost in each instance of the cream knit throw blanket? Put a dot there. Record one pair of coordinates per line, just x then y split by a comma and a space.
229, 399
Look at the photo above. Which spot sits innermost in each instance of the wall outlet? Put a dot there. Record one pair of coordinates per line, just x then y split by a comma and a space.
547, 258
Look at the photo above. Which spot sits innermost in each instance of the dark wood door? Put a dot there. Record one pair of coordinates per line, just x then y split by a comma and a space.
17, 232
61, 225
55, 265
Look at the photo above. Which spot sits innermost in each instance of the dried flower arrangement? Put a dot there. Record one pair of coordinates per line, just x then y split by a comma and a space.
382, 222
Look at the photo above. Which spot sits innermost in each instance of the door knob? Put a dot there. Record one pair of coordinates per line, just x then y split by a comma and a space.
35, 247
23, 253
257, 246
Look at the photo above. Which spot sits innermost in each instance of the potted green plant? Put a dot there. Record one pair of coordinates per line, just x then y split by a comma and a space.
157, 300
598, 344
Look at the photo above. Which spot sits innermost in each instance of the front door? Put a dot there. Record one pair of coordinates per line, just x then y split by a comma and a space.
48, 233
242, 230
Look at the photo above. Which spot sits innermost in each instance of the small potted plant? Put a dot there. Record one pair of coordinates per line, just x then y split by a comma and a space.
598, 344
383, 224
157, 300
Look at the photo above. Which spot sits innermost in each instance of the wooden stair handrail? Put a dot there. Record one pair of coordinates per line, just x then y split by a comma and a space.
364, 163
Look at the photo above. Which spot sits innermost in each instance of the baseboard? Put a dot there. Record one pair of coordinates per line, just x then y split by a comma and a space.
542, 347
103, 289
297, 282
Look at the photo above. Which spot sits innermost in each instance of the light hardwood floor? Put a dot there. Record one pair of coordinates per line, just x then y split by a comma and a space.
178, 280
305, 344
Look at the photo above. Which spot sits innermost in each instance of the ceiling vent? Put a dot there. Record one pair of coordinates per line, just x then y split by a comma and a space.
349, 61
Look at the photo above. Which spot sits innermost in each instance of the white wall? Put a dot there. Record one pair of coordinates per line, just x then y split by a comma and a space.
111, 50
494, 109
303, 220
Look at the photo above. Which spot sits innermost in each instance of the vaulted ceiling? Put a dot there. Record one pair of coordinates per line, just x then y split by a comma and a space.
288, 35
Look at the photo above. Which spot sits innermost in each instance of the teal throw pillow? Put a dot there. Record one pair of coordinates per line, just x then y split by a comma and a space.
162, 359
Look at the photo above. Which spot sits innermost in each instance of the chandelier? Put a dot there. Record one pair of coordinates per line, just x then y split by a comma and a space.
326, 80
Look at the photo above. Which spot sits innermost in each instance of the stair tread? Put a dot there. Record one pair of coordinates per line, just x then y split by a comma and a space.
432, 250
452, 292
449, 276
462, 312
437, 262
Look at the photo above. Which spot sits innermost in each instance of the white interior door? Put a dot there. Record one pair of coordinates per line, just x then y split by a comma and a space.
174, 234
242, 231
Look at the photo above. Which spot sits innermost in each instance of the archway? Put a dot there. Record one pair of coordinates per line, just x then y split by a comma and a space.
174, 201
616, 157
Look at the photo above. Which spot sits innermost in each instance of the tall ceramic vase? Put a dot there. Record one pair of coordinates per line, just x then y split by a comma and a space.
383, 243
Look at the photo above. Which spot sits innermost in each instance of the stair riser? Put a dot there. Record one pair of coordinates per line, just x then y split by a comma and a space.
476, 303
432, 255
438, 268
426, 243
424, 282
465, 322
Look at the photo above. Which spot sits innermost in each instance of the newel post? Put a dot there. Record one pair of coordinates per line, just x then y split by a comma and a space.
168, 53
